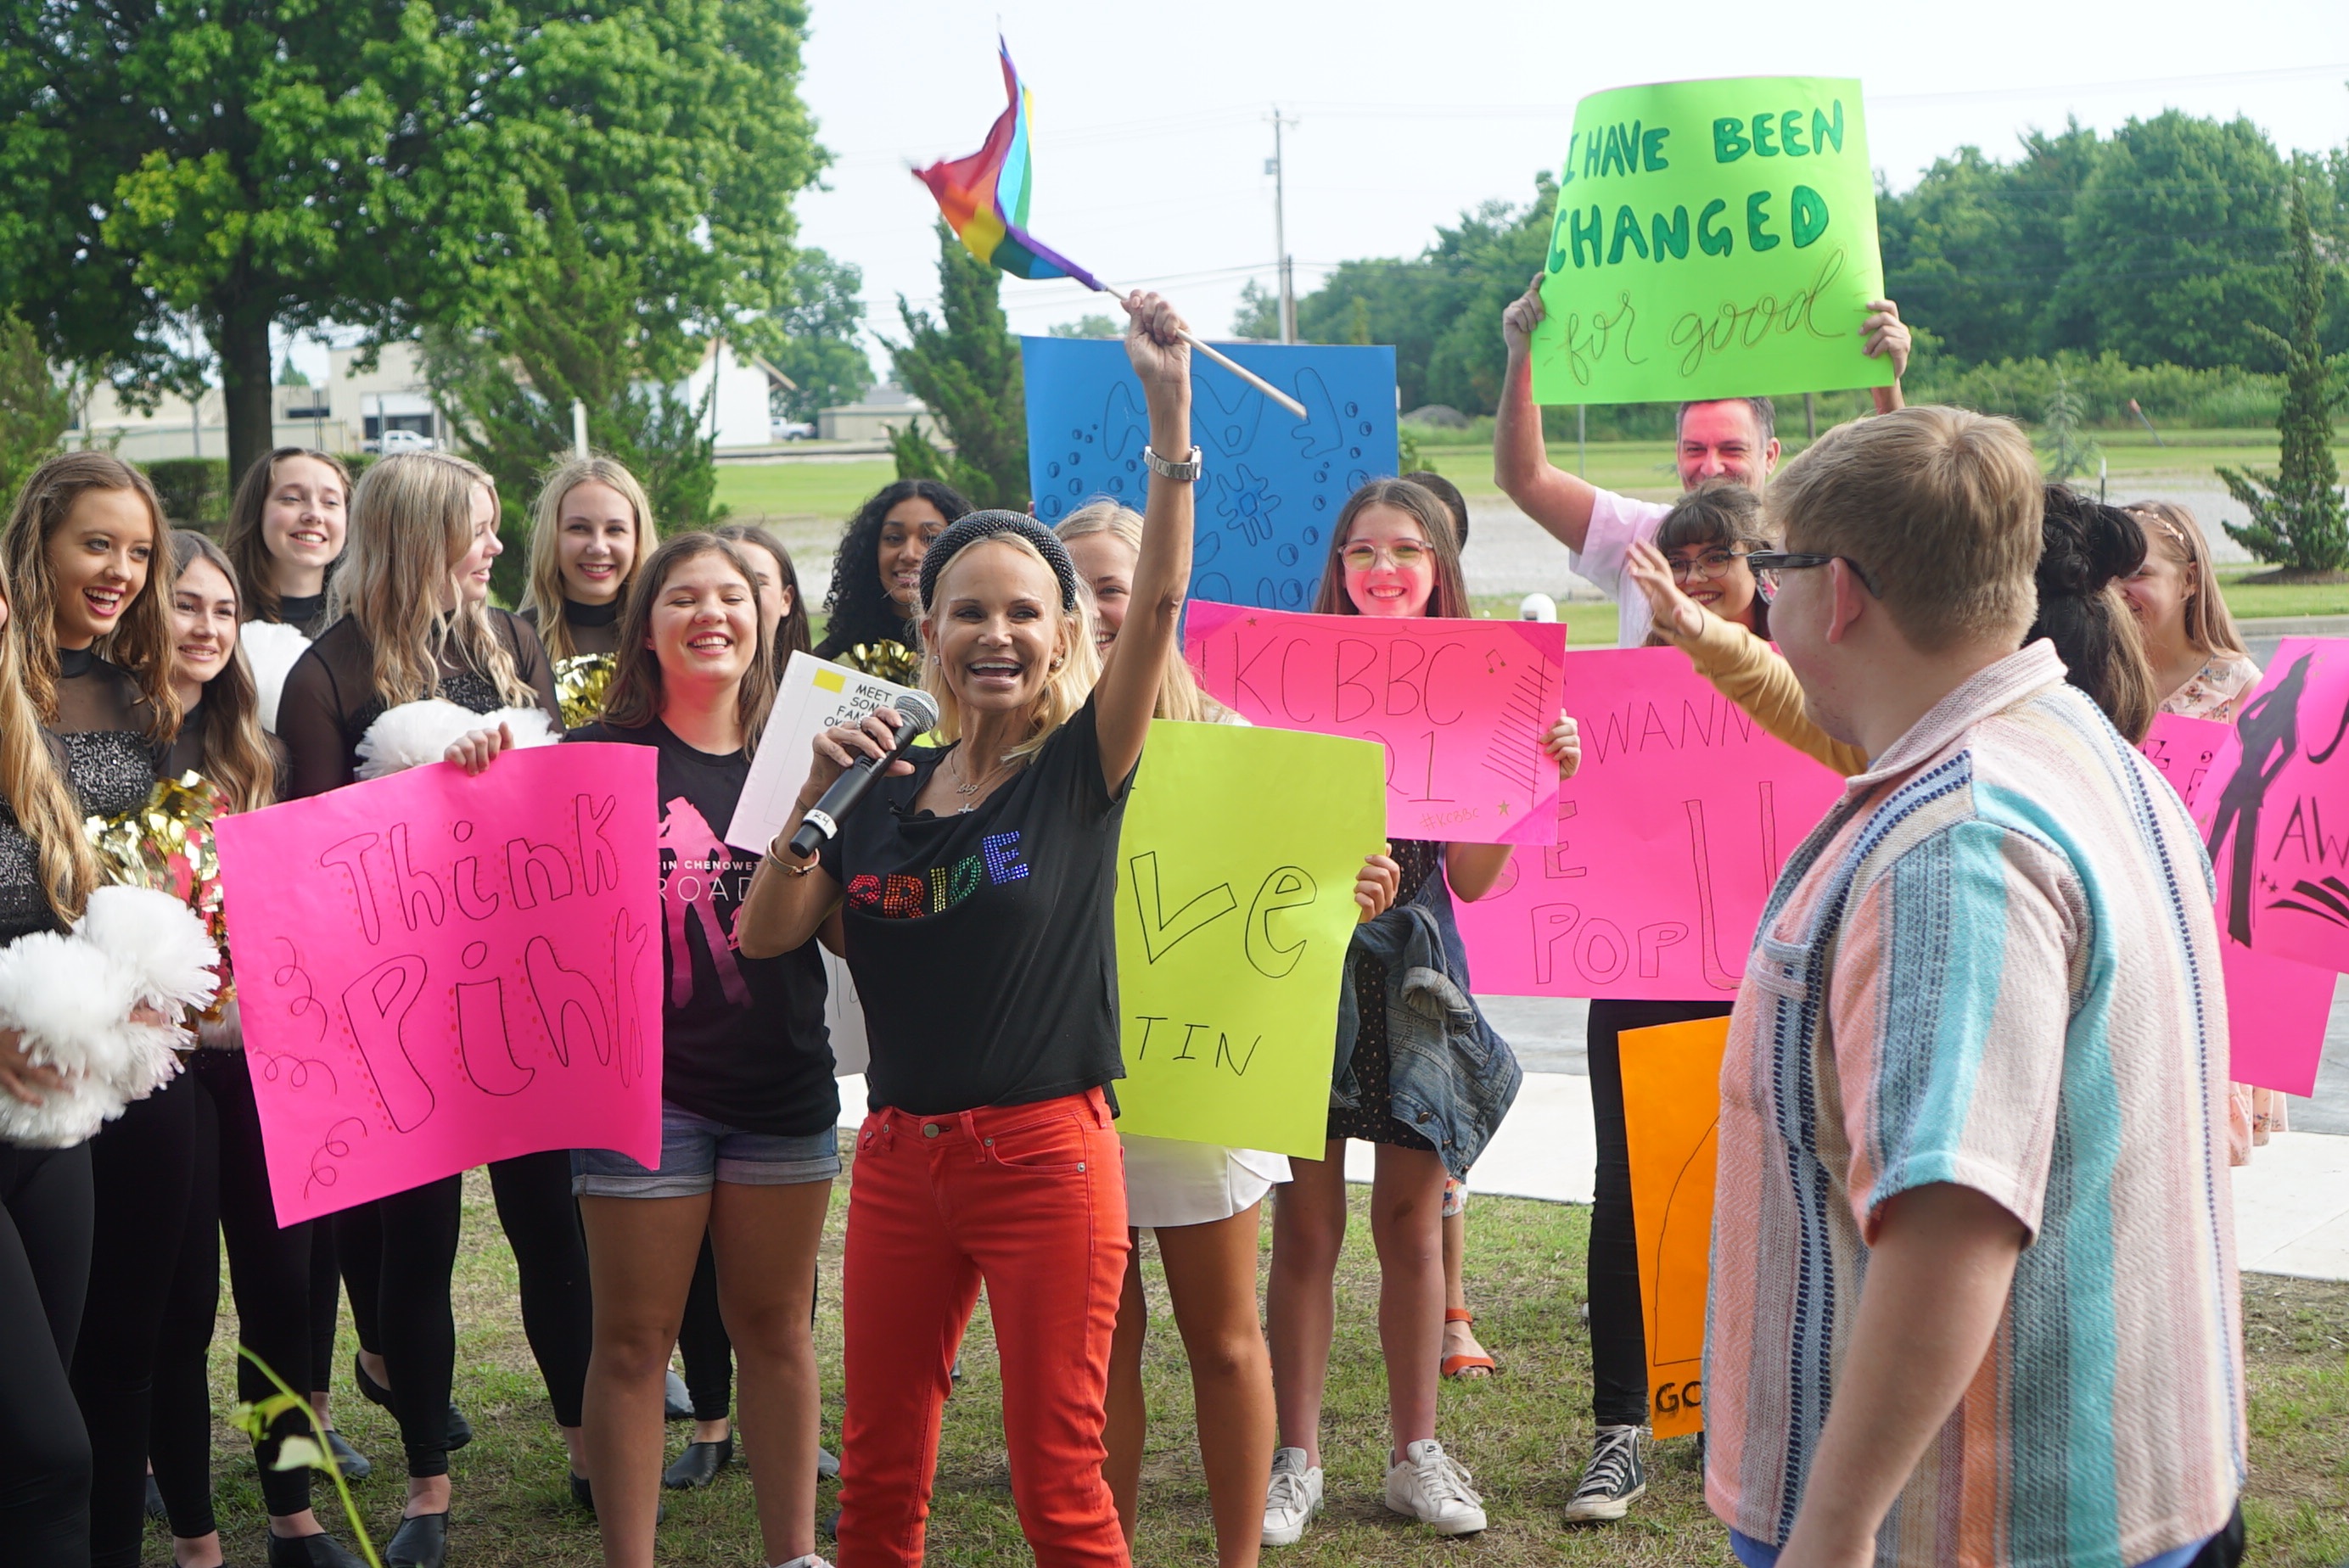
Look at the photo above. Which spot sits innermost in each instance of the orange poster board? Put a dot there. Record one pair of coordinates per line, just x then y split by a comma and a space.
1671, 1111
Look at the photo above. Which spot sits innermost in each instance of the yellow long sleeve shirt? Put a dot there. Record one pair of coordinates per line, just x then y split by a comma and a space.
1754, 676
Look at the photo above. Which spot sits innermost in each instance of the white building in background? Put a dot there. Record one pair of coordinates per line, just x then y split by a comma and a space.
871, 417
354, 407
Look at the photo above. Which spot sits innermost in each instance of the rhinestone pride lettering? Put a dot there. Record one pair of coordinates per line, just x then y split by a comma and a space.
911, 895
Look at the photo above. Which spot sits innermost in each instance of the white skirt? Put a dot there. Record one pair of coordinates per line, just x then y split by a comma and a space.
1169, 1182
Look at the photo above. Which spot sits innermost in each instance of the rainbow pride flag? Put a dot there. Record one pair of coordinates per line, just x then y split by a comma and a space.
985, 196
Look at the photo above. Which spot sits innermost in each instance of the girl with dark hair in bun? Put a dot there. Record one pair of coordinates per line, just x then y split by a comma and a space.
875, 596
982, 872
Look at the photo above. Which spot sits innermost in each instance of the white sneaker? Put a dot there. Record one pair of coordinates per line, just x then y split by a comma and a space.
1434, 1488
1293, 1498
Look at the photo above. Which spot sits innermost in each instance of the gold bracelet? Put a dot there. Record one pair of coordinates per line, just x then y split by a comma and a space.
786, 867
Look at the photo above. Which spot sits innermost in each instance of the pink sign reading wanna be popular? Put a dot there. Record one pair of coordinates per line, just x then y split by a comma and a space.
1668, 840
436, 971
1461, 706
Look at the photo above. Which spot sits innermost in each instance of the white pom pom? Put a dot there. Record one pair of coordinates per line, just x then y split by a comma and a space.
271, 648
528, 725
158, 941
68, 1000
414, 734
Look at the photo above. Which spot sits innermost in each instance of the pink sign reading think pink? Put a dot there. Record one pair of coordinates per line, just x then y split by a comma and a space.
1460, 706
436, 971
1669, 841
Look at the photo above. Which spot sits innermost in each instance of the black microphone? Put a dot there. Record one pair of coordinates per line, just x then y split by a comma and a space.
823, 821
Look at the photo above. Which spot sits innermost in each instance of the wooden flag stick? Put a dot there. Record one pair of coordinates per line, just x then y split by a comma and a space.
1234, 366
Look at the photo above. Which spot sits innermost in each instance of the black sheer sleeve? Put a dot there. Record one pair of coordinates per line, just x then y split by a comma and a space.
530, 661
24, 899
312, 716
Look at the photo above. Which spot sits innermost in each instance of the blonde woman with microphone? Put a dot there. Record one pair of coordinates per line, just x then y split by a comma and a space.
986, 869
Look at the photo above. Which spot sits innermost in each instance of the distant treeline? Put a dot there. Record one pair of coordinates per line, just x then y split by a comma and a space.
2136, 265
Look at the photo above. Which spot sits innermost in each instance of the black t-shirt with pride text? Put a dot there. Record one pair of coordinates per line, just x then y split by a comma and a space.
984, 943
743, 1041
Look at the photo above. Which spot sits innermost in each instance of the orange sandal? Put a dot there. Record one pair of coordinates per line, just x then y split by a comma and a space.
1461, 1366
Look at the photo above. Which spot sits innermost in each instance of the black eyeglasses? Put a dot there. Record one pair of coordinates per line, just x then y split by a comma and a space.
1796, 561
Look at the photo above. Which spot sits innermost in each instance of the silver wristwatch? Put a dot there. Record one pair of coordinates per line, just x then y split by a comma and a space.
1184, 472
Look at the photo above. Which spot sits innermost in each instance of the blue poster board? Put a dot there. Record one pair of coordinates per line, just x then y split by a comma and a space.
1272, 485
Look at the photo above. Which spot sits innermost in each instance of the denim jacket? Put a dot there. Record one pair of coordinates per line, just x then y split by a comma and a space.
1449, 1076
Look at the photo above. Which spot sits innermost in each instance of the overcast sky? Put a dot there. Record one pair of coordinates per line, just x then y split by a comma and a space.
1152, 122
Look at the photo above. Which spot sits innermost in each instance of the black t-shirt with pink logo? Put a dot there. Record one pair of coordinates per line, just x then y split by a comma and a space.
983, 943
743, 1041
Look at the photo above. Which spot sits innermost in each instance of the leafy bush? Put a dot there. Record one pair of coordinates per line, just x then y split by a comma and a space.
2170, 394
194, 489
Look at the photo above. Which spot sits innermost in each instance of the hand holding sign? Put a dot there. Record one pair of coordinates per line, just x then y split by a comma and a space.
1715, 239
1464, 708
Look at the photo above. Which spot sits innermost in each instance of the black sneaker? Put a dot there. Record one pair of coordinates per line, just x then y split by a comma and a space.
1616, 1478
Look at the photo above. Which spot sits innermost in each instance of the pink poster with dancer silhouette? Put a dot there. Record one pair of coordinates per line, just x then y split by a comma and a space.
1668, 840
1461, 706
437, 971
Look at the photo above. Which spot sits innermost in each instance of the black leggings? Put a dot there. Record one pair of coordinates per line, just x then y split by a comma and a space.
326, 1294
399, 1253
269, 1271
1619, 1335
702, 1340
142, 1171
44, 1229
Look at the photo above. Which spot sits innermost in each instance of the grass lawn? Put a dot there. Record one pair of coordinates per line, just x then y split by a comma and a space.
513, 1508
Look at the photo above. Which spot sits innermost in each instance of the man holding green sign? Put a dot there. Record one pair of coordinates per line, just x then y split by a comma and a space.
1705, 253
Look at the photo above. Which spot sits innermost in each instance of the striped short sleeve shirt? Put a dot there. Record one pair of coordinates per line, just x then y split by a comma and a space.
1994, 964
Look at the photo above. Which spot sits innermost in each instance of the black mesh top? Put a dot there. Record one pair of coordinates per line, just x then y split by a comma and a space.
330, 699
595, 628
102, 723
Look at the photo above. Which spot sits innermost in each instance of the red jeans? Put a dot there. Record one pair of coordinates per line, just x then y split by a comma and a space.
1031, 1200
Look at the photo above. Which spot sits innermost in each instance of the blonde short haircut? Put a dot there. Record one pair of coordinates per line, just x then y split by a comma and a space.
1065, 689
1940, 508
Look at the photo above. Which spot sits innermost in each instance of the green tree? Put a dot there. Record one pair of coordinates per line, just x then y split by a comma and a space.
246, 167
966, 368
2173, 243
574, 324
2063, 450
2296, 511
35, 410
1259, 313
1087, 326
1977, 247
819, 350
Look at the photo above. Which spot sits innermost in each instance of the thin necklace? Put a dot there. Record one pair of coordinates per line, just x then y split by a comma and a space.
954, 761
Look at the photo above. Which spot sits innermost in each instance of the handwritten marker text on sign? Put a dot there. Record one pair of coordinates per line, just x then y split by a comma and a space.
1460, 706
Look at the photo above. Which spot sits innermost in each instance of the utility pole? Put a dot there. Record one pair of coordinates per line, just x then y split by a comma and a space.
1273, 166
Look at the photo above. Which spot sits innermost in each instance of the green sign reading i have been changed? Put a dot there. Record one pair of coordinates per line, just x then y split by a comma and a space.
1714, 239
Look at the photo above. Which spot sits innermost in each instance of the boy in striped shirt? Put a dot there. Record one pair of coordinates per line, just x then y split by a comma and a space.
1973, 1283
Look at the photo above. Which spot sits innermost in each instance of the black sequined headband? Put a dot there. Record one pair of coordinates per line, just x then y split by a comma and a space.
977, 525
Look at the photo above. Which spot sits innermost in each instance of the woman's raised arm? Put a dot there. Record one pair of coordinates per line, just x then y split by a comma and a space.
1128, 692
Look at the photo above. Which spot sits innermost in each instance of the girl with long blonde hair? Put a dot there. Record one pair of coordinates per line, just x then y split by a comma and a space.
46, 874
590, 528
91, 566
409, 620
222, 750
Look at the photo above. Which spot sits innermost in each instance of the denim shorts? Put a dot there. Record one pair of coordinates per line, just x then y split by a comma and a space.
696, 1153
